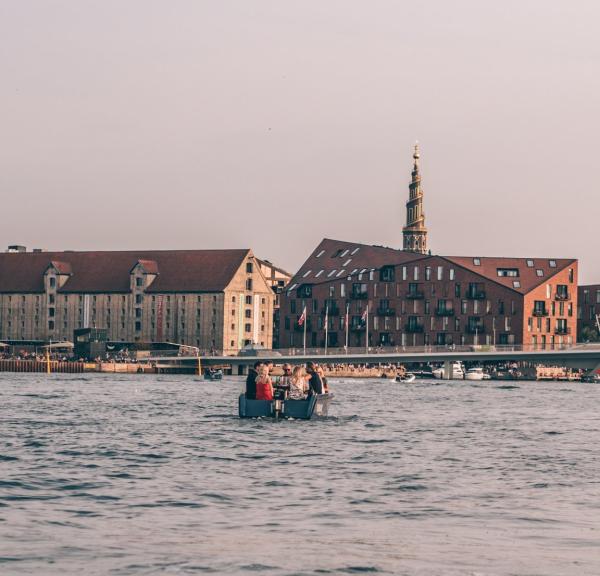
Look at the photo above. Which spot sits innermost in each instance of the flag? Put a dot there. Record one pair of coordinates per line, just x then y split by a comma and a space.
302, 318
326, 315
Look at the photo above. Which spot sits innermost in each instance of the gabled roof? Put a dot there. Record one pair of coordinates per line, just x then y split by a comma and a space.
528, 276
149, 266
180, 270
61, 267
334, 259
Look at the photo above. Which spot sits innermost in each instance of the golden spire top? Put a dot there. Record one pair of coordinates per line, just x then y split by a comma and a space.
416, 154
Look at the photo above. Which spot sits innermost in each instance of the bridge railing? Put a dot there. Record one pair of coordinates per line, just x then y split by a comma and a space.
433, 349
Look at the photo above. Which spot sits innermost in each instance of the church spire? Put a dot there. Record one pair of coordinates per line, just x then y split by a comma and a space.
415, 233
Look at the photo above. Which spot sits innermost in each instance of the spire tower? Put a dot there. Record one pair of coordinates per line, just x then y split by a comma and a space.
415, 233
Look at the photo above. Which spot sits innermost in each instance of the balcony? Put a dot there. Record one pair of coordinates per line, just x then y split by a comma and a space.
475, 329
562, 330
359, 295
540, 312
415, 295
561, 297
444, 311
386, 311
475, 295
414, 328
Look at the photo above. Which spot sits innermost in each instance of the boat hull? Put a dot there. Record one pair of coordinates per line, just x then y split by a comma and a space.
311, 407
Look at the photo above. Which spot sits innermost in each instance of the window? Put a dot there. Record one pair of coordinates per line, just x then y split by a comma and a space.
307, 273
428, 273
416, 273
138, 326
248, 327
249, 284
320, 254
248, 313
305, 291
552, 263
571, 275
387, 274
530, 263
50, 311
354, 251
138, 298
516, 284
344, 253
347, 262
440, 272
139, 281
50, 324
248, 299
404, 273
319, 273
539, 272
511, 272
232, 298
476, 262
331, 273
52, 282
249, 267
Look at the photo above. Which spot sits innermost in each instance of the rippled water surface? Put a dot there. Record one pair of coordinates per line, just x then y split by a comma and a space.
150, 475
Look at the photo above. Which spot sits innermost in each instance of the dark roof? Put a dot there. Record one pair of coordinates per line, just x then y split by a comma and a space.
528, 277
334, 259
178, 270
334, 256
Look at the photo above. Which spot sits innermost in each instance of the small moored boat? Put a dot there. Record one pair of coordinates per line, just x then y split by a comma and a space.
211, 374
316, 405
475, 374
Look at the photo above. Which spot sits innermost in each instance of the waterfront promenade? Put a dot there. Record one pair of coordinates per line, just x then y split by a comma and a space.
585, 356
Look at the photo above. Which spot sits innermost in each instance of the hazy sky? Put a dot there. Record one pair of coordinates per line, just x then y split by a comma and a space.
270, 124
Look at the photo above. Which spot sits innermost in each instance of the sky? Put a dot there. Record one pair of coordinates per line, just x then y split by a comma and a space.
270, 124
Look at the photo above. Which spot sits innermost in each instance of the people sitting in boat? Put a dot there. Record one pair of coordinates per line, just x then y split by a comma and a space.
251, 380
264, 386
284, 380
298, 385
321, 374
314, 380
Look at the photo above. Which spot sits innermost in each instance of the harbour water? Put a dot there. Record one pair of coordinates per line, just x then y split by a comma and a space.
108, 474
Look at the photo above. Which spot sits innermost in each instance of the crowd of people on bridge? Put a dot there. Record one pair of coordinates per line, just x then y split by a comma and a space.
296, 383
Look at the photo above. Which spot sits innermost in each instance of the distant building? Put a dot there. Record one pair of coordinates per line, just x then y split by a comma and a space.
277, 278
588, 312
415, 299
415, 233
217, 300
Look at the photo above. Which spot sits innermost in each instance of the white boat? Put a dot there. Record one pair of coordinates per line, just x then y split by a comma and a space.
457, 371
475, 374
408, 377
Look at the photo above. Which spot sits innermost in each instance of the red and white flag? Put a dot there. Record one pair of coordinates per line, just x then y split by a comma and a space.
365, 315
302, 318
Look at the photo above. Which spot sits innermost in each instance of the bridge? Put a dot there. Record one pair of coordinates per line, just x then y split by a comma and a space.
586, 356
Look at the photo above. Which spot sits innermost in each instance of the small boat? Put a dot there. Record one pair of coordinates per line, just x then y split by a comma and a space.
458, 372
591, 378
474, 374
315, 405
211, 374
407, 377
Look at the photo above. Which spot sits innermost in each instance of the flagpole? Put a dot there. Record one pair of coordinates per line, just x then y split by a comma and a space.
347, 318
367, 342
326, 326
304, 326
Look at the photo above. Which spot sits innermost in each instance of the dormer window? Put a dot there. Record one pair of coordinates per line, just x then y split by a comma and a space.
139, 281
476, 262
52, 282
510, 272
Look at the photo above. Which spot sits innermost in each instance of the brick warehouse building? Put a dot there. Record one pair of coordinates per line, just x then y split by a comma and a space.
587, 311
417, 299
213, 299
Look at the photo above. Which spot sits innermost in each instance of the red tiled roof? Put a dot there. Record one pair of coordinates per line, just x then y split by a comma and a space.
528, 277
349, 257
179, 270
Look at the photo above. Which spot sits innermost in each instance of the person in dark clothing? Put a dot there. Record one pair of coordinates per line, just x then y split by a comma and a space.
251, 381
314, 380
